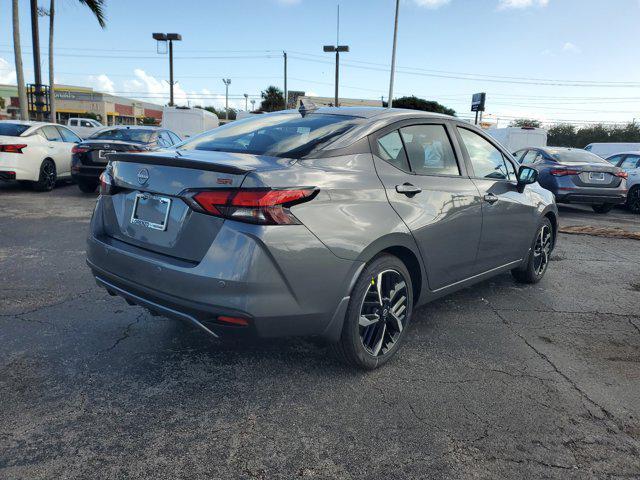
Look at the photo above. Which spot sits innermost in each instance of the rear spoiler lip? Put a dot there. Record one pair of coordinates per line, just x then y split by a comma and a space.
178, 161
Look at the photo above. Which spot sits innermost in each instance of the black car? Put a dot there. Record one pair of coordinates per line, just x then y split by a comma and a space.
90, 157
577, 176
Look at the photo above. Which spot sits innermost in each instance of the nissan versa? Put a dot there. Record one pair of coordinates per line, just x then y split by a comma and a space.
330, 222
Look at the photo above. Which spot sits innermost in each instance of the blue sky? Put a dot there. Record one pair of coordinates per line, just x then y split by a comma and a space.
588, 46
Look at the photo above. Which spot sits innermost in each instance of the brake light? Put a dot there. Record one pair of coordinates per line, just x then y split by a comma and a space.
260, 206
621, 174
561, 172
12, 148
79, 149
106, 183
243, 322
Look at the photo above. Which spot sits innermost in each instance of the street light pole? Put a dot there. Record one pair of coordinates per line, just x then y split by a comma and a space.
170, 37
286, 92
337, 49
227, 82
35, 42
393, 55
253, 105
246, 99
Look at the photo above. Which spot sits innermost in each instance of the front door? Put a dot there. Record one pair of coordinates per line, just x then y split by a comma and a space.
427, 186
509, 217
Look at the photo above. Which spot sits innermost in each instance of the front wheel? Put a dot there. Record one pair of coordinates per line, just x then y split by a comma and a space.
378, 314
539, 256
604, 208
633, 199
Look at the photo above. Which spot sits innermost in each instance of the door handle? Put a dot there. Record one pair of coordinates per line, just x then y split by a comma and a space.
490, 198
408, 189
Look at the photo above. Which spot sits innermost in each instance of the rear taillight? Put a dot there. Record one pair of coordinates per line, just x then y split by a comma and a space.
261, 206
12, 148
561, 172
621, 174
106, 183
79, 149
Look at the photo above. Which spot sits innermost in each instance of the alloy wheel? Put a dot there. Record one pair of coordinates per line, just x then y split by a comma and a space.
633, 201
49, 175
383, 312
542, 250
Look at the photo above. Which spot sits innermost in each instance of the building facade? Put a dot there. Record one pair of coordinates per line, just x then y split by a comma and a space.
72, 101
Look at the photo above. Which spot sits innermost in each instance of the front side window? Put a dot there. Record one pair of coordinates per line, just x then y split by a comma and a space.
290, 135
530, 157
487, 160
630, 162
391, 150
68, 136
87, 124
615, 159
429, 150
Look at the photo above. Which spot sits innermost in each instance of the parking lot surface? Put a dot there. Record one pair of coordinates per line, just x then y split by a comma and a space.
497, 381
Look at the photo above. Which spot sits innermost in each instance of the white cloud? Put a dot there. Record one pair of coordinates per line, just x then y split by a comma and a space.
288, 2
102, 83
516, 4
431, 3
7, 72
571, 48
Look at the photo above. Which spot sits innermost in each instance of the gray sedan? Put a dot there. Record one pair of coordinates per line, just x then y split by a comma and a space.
330, 222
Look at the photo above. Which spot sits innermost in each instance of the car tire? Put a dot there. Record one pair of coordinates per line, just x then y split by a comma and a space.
633, 199
603, 208
87, 185
539, 255
367, 342
47, 177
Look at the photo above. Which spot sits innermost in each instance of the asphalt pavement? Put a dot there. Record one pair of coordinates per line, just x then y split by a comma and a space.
499, 380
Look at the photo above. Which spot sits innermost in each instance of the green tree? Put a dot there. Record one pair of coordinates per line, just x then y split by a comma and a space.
562, 135
416, 103
272, 99
526, 122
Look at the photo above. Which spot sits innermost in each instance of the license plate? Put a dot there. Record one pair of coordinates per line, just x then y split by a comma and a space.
598, 176
102, 154
151, 211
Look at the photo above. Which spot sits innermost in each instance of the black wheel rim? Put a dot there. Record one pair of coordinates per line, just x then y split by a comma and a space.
49, 175
542, 250
383, 312
634, 200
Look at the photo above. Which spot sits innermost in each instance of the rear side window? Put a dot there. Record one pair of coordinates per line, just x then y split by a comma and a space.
73, 123
51, 133
13, 129
487, 160
391, 150
429, 150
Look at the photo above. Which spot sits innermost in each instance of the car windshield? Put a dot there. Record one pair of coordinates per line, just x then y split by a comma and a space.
13, 129
125, 134
575, 156
290, 135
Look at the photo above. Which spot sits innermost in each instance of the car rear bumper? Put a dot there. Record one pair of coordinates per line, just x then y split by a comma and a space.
280, 292
591, 196
16, 168
86, 172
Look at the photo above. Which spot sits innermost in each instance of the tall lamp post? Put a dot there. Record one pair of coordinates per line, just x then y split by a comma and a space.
393, 55
337, 49
246, 100
169, 37
227, 82
253, 105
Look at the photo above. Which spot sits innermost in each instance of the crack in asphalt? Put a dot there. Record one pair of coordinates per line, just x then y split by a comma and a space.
125, 334
636, 327
51, 305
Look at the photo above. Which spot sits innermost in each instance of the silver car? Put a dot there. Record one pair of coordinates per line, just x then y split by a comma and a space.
630, 163
330, 222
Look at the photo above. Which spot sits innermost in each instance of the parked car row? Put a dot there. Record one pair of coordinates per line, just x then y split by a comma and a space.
40, 154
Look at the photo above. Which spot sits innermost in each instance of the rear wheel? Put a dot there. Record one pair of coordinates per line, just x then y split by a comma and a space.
378, 314
48, 176
87, 185
603, 208
633, 199
539, 255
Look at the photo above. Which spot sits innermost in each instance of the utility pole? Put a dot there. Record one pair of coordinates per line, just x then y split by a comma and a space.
35, 41
169, 37
337, 49
246, 99
286, 92
393, 54
227, 82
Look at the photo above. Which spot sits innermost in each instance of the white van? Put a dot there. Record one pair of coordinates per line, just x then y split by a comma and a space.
515, 138
605, 150
187, 122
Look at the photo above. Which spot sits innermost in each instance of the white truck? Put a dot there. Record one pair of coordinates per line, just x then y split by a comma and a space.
84, 127
187, 122
515, 138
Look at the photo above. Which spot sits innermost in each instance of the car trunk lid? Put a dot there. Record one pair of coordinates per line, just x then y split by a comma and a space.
592, 174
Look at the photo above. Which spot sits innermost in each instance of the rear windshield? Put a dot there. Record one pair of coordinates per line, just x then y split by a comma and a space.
125, 134
575, 156
13, 129
288, 135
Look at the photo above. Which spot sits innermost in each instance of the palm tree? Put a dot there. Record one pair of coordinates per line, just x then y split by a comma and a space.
97, 8
272, 99
17, 50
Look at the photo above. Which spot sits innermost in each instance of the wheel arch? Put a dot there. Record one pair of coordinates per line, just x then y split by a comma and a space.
553, 218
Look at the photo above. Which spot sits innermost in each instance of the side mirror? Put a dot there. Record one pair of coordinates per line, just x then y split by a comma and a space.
526, 176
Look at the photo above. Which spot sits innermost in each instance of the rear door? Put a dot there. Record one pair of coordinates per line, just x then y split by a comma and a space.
56, 149
69, 139
508, 216
427, 185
